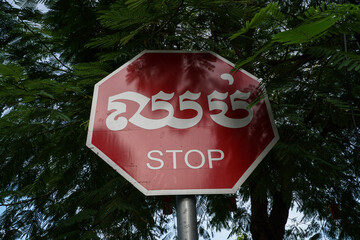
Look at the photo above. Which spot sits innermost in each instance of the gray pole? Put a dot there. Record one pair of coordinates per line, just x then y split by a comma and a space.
186, 217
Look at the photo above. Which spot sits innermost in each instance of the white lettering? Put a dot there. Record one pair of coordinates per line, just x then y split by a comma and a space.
211, 158
227, 77
114, 123
160, 101
155, 159
218, 105
239, 104
223, 120
174, 156
187, 159
212, 154
185, 103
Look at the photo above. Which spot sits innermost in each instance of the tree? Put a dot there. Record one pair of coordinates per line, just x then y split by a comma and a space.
322, 114
53, 187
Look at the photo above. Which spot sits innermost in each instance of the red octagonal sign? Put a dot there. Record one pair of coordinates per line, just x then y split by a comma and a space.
180, 123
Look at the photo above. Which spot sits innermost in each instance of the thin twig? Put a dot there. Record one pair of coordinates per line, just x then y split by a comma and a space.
170, 18
350, 100
42, 43
27, 200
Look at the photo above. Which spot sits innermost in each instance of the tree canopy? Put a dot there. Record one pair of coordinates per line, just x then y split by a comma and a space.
306, 52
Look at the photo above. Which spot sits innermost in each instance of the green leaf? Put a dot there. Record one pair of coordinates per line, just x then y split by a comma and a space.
62, 116
11, 70
306, 32
132, 4
254, 56
271, 9
45, 94
132, 34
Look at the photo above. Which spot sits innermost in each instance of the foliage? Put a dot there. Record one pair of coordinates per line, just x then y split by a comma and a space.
53, 187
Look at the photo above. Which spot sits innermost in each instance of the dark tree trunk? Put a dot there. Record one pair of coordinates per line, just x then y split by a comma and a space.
259, 226
263, 226
279, 214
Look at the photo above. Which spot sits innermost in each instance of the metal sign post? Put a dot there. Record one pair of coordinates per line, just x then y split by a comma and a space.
186, 217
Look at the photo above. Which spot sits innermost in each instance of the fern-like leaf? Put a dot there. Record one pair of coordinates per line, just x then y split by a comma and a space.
307, 31
270, 11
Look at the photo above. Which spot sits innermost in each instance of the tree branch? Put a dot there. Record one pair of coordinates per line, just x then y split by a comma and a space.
42, 43
27, 200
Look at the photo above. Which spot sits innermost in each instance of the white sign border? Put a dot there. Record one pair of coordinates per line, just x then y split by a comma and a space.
177, 191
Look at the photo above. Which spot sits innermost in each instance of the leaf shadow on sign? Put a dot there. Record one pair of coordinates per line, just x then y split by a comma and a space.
244, 145
175, 72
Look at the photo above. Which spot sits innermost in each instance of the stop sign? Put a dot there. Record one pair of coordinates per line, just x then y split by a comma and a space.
176, 123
